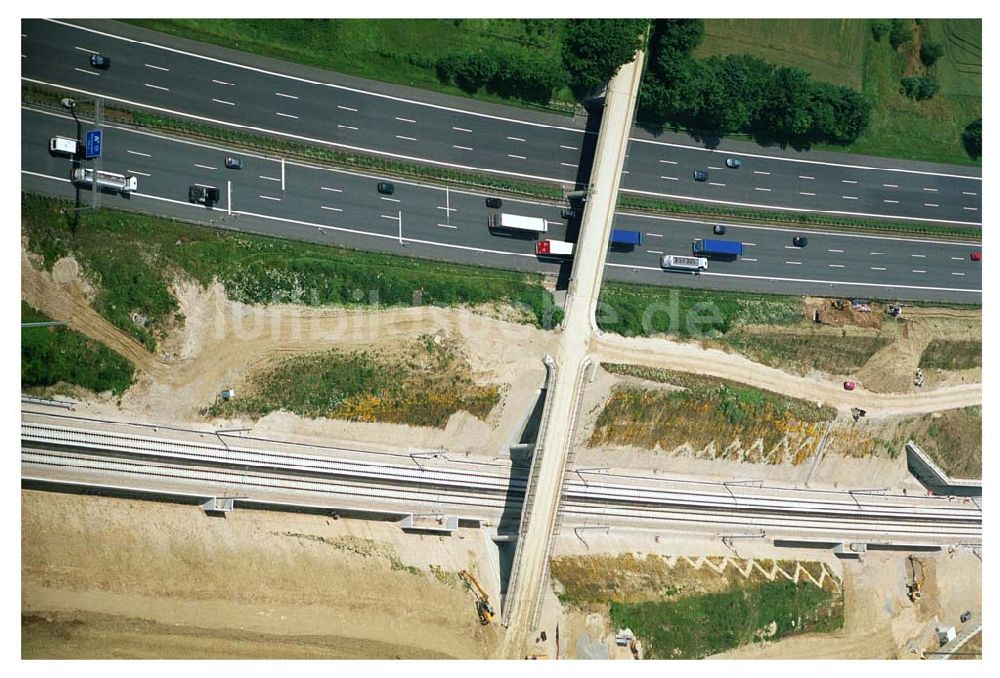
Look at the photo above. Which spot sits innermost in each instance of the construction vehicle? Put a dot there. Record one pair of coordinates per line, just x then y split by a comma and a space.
916, 579
483, 607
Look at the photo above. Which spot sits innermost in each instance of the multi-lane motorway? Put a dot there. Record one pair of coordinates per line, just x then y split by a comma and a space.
238, 89
333, 206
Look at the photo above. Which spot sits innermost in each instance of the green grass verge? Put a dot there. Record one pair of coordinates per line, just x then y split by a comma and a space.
403, 51
643, 310
423, 386
133, 258
50, 355
944, 354
698, 626
805, 352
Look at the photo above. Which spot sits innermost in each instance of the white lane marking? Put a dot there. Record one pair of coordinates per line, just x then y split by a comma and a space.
223, 82
145, 155
23, 35
791, 247
278, 179
569, 164
141, 174
668, 162
849, 197
803, 176
23, 56
759, 172
835, 265
890, 186
932, 190
711, 167
158, 68
655, 235
332, 209
920, 256
519, 157
84, 49
205, 185
761, 189
287, 96
750, 244
794, 263
390, 199
461, 129
837, 251
876, 254
894, 202
462, 148
447, 226
958, 258
848, 181
971, 209
347, 108
747, 259
447, 209
714, 183
267, 197
670, 178
515, 138
87, 72
394, 217
347, 127
654, 251
208, 167
917, 270
958, 273
286, 115
335, 190
406, 120
804, 193
400, 136
220, 101
877, 268
165, 89
969, 193
931, 204
573, 148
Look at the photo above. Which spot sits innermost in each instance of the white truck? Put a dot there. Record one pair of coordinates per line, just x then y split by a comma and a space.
677, 261
554, 248
515, 222
63, 145
117, 182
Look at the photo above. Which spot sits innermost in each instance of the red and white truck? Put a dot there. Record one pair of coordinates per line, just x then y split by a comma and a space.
554, 248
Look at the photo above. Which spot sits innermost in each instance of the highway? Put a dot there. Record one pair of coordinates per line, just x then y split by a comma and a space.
58, 447
343, 208
181, 77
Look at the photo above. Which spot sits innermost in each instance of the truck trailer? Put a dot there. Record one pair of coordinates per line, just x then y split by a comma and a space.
117, 182
515, 222
554, 248
622, 237
721, 248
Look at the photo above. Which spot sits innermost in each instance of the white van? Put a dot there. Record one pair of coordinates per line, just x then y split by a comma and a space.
676, 261
62, 145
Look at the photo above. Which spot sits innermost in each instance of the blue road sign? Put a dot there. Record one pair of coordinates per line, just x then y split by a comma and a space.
93, 143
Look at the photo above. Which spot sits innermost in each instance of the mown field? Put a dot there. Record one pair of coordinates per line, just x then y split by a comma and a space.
844, 52
403, 51
945, 354
422, 384
50, 355
132, 260
803, 352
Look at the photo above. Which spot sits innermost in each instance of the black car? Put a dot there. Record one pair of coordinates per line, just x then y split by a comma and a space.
206, 195
494, 203
234, 163
719, 229
100, 61
800, 241
567, 213
700, 175
386, 188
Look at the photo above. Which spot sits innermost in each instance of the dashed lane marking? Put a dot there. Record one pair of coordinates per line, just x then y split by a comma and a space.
165, 89
805, 176
332, 209
515, 138
268, 197
158, 68
287, 96
670, 178
804, 193
406, 120
335, 190
145, 155
400, 136
347, 108
87, 72
761, 189
519, 157
220, 101
462, 148
287, 115
462, 129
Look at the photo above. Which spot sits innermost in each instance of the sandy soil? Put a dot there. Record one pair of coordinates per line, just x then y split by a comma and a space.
115, 570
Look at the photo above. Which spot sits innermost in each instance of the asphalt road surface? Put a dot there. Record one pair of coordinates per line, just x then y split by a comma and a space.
238, 89
344, 208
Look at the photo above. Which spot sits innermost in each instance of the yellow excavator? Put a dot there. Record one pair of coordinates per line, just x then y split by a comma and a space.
916, 580
483, 607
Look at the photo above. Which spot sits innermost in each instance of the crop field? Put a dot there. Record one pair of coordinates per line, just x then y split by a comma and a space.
803, 352
944, 354
832, 50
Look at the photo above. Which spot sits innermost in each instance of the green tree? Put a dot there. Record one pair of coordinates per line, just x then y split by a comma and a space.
468, 70
879, 28
930, 52
920, 87
899, 34
678, 35
594, 49
787, 111
839, 114
972, 138
745, 79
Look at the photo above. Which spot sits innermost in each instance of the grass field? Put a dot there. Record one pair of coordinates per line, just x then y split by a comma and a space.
50, 355
844, 52
422, 385
133, 258
806, 352
944, 354
403, 51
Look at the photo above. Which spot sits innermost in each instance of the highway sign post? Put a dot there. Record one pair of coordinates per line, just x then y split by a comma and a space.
94, 143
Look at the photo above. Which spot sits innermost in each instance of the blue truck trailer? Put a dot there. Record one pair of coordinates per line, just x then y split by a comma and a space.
720, 248
623, 237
